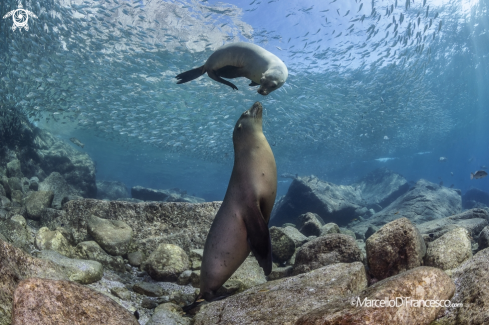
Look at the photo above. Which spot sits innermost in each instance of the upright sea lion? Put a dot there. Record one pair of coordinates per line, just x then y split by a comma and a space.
241, 224
242, 60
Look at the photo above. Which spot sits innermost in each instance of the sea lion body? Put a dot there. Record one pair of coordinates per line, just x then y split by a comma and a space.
241, 224
242, 60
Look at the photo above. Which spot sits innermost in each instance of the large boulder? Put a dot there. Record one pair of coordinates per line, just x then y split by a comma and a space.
13, 169
182, 224
339, 203
57, 184
53, 240
395, 248
475, 198
473, 220
333, 203
377, 304
424, 202
381, 187
15, 231
283, 301
166, 263
81, 271
168, 314
111, 190
15, 266
325, 250
90, 250
36, 202
173, 195
450, 250
471, 282
285, 241
114, 236
47, 302
76, 167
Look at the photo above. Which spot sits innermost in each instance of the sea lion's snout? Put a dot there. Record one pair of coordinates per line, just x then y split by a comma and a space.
262, 91
256, 110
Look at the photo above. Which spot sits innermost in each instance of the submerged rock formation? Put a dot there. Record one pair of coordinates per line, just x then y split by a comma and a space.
338, 203
149, 194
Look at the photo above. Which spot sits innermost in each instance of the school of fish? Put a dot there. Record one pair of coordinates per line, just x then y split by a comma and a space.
368, 72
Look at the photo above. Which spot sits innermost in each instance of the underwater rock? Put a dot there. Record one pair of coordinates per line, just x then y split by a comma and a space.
370, 231
49, 218
310, 224
450, 250
333, 203
34, 184
114, 236
153, 223
81, 271
422, 283
166, 263
2, 191
283, 301
347, 232
471, 282
283, 247
473, 220
111, 190
15, 266
6, 186
53, 240
36, 202
381, 187
65, 303
325, 250
149, 194
76, 167
329, 228
195, 257
148, 289
473, 197
17, 198
121, 292
184, 277
424, 202
135, 258
90, 250
15, 232
483, 240
280, 272
13, 169
56, 183
168, 314
15, 184
395, 248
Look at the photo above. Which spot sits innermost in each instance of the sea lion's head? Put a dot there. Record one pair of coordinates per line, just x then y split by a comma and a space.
249, 123
272, 79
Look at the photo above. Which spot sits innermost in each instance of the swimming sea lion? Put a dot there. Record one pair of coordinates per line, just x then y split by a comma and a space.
242, 60
241, 224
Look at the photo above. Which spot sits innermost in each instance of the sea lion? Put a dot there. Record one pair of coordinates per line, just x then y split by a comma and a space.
241, 224
242, 60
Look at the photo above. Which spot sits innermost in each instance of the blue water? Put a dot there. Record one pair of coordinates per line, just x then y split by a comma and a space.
108, 75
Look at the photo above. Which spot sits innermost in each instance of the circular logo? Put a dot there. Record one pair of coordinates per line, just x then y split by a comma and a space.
20, 17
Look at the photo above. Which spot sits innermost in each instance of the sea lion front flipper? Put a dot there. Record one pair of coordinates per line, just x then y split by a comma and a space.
253, 84
214, 76
259, 239
229, 72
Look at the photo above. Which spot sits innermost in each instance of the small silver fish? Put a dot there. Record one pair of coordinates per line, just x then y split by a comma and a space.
77, 142
443, 159
478, 174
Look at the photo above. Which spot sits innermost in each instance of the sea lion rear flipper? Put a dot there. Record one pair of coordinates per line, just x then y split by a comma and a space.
253, 84
259, 239
190, 75
214, 76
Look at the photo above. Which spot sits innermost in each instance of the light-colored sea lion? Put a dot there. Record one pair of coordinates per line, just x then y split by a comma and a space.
242, 60
241, 224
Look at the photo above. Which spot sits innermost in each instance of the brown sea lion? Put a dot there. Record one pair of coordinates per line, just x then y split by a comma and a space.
241, 224
242, 60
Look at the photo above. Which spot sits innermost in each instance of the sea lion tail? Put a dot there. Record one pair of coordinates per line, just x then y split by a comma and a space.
190, 75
